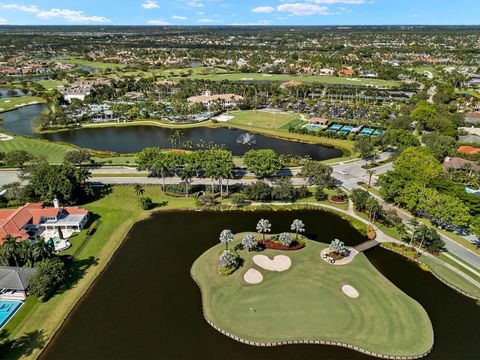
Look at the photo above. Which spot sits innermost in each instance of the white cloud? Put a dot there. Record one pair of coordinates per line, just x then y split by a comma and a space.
3, 21
258, 23
195, 4
333, 2
263, 9
150, 4
178, 17
208, 21
24, 8
77, 16
71, 16
301, 9
157, 22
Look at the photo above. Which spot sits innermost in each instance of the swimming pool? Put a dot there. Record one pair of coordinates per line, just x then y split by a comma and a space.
7, 309
335, 127
367, 131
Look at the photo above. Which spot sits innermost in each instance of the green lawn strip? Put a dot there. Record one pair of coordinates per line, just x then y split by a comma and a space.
8, 104
306, 303
296, 123
329, 80
94, 64
462, 241
451, 277
135, 175
473, 93
118, 212
458, 266
53, 151
371, 189
51, 84
261, 119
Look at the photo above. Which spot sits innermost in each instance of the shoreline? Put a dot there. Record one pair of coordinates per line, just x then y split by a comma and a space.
118, 241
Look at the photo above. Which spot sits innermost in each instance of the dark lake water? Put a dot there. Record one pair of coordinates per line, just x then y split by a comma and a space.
146, 306
4, 93
132, 139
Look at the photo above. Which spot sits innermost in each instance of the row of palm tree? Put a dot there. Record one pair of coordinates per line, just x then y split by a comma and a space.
263, 227
24, 253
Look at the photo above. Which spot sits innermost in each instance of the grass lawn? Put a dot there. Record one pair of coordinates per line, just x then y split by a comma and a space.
36, 322
53, 151
261, 119
451, 277
8, 104
458, 266
306, 303
94, 64
306, 79
51, 84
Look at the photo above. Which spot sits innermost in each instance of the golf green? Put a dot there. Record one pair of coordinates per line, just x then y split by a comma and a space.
306, 303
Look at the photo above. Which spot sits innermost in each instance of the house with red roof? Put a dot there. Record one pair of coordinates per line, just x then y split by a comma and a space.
32, 218
468, 150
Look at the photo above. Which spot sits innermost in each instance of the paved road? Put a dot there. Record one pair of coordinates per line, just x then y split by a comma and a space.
353, 173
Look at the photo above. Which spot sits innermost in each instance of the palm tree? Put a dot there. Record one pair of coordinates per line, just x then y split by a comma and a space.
249, 242
263, 227
186, 176
370, 173
414, 222
25, 252
42, 249
338, 247
285, 239
10, 246
298, 227
226, 237
139, 190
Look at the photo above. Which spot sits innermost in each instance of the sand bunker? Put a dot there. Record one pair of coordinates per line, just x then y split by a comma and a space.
350, 291
4, 137
253, 276
223, 118
279, 262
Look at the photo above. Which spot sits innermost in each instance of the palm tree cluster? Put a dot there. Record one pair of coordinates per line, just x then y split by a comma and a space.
338, 247
24, 253
213, 164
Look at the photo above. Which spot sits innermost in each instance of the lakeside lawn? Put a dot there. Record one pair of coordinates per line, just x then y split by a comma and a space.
306, 303
8, 104
261, 119
36, 322
52, 151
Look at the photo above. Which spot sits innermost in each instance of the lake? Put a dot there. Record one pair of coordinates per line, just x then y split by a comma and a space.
146, 306
131, 139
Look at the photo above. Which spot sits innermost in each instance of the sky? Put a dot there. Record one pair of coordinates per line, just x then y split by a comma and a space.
240, 12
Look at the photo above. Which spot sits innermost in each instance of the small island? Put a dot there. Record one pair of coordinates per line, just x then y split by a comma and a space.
285, 293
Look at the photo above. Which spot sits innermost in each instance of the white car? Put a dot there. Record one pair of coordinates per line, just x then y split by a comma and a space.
344, 173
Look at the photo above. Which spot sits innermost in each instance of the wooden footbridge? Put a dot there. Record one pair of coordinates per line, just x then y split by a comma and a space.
366, 245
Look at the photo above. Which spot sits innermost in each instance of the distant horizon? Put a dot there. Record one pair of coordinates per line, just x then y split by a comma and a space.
246, 13
239, 25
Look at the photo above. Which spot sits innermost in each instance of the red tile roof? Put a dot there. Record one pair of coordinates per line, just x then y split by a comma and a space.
468, 150
12, 221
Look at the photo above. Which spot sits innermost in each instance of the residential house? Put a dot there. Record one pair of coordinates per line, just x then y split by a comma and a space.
225, 100
34, 219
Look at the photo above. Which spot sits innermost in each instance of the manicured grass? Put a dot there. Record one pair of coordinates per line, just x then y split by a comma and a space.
296, 123
261, 119
118, 212
51, 84
306, 79
93, 64
458, 266
8, 104
451, 277
54, 152
306, 303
